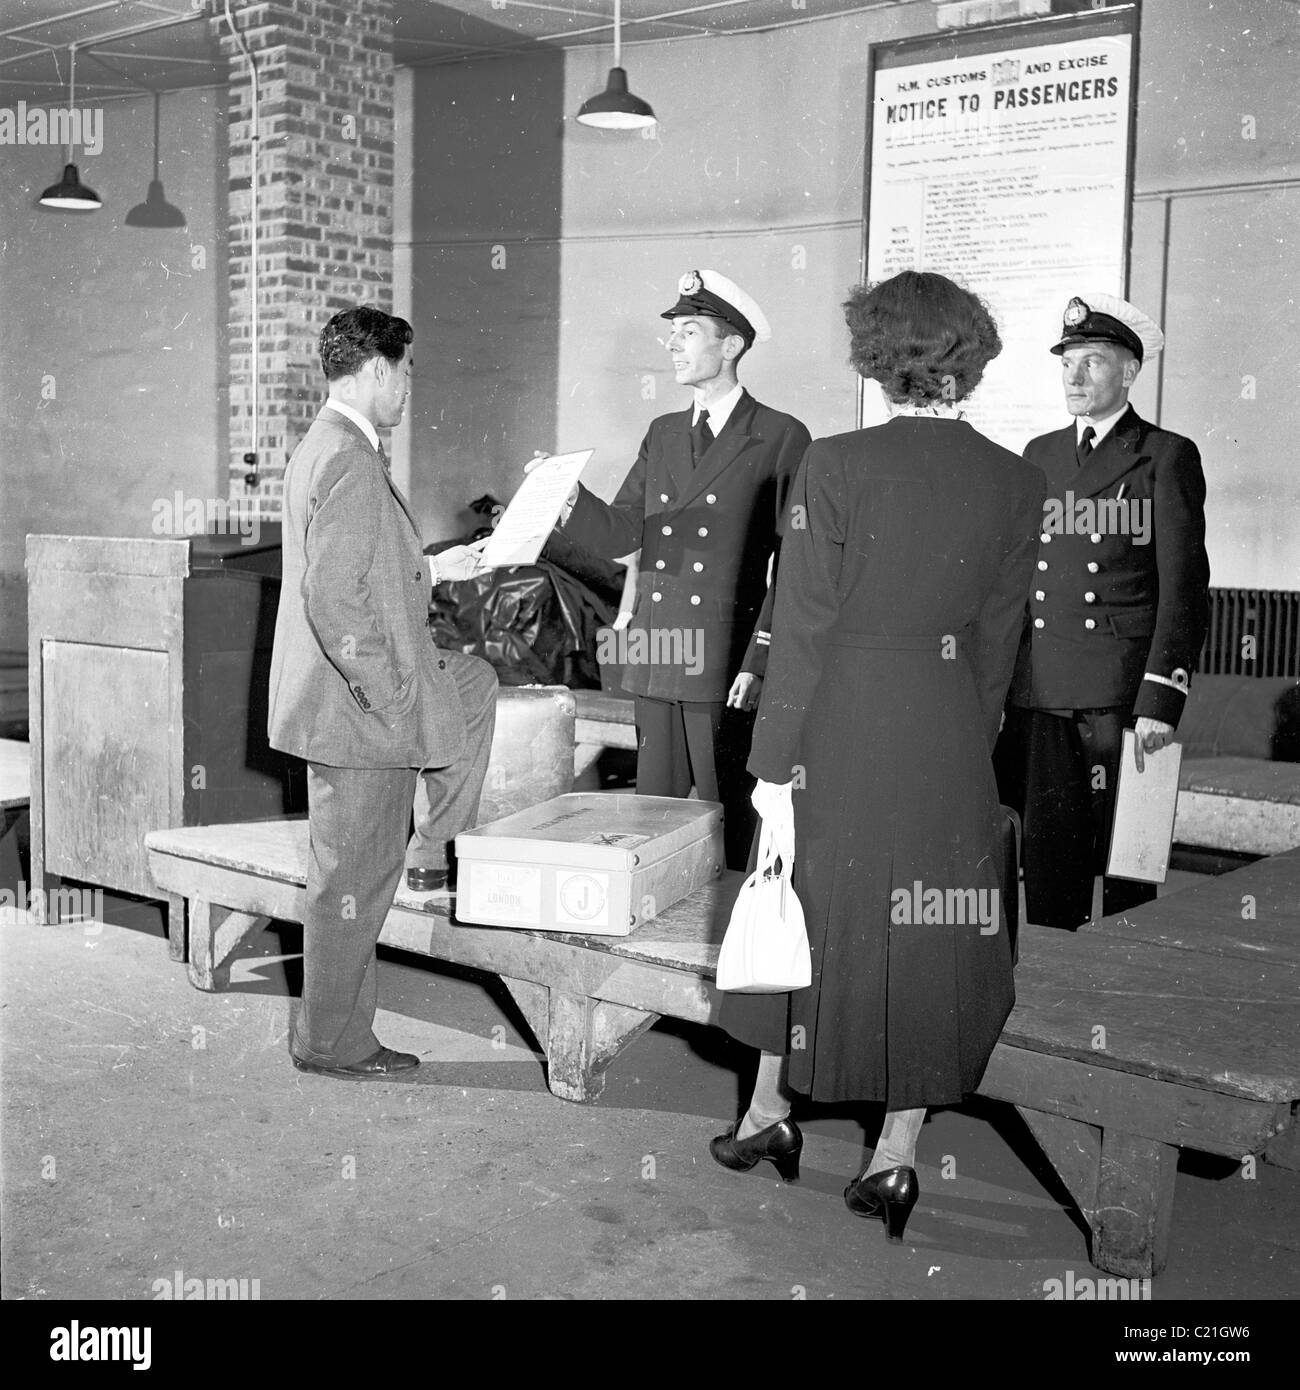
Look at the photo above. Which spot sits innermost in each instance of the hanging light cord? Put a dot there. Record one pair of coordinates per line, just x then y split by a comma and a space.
252, 278
618, 40
72, 95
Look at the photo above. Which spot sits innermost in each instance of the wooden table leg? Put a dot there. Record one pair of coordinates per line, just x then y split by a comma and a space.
1122, 1185
1284, 1149
215, 933
176, 927
1135, 1205
583, 1037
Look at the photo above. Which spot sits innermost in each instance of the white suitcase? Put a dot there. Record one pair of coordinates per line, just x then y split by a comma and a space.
594, 863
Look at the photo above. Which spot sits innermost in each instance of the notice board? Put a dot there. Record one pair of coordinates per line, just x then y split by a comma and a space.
1003, 158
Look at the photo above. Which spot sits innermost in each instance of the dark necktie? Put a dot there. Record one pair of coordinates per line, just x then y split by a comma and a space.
1084, 451
701, 437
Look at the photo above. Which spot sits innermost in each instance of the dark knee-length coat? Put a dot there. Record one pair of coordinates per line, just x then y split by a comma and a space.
904, 580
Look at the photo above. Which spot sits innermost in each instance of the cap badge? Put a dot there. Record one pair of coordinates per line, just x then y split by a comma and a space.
690, 283
1075, 312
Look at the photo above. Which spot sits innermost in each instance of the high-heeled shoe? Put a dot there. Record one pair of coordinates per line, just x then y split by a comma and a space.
780, 1143
891, 1193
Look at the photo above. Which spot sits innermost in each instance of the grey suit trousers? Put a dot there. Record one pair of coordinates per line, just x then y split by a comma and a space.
446, 798
358, 821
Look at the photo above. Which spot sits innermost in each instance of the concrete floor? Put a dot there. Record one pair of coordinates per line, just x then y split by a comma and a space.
150, 1129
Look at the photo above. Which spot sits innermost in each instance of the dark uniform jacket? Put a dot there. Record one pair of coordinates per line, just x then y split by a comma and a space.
705, 534
355, 680
1109, 606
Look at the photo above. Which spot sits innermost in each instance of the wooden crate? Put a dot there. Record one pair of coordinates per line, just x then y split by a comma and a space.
148, 670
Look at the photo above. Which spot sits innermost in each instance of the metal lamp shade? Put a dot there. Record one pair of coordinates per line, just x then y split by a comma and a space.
616, 108
70, 193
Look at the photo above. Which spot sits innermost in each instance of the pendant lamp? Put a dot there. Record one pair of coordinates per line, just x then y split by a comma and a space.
616, 108
70, 194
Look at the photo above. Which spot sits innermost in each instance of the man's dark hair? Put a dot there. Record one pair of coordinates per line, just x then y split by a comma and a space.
351, 338
922, 337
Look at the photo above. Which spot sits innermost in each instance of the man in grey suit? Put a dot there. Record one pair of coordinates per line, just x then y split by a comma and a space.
359, 690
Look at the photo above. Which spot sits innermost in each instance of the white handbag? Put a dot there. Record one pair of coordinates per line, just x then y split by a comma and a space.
765, 950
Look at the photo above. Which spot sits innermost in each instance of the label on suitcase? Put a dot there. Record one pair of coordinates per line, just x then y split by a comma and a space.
594, 863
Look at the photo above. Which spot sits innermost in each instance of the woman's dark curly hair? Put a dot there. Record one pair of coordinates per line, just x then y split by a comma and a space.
921, 337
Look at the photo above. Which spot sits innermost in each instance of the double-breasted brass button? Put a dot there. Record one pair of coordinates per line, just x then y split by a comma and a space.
695, 599
1090, 623
711, 498
663, 497
1095, 538
1042, 564
656, 597
1093, 567
1039, 595
1090, 597
697, 567
659, 564
1046, 538
704, 530
1038, 622
668, 530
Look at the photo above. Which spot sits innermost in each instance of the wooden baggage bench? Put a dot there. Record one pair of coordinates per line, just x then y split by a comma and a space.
1244, 805
605, 719
1120, 1049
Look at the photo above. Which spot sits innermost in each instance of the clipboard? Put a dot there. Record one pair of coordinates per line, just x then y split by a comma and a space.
1142, 829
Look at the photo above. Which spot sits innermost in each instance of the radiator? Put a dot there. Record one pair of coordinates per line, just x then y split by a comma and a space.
1253, 632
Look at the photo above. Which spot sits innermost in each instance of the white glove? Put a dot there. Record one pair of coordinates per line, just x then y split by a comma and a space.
774, 801
457, 562
624, 617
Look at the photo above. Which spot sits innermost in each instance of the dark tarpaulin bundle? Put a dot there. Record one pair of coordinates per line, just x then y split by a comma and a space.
536, 624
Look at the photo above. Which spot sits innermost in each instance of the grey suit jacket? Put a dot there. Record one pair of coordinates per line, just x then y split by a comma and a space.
356, 680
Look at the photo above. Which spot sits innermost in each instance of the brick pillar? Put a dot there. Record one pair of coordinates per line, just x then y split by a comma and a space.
325, 215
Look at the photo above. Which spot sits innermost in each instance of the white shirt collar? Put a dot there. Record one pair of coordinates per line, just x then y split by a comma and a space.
357, 419
720, 410
1100, 428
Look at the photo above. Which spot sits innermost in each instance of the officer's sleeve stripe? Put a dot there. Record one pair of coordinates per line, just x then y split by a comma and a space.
1164, 680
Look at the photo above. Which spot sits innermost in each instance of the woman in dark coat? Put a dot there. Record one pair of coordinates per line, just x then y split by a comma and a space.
905, 571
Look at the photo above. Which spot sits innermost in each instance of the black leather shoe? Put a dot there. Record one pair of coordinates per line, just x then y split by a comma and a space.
780, 1143
890, 1194
377, 1064
429, 880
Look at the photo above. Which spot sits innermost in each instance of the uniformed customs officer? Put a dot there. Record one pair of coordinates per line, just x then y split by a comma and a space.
704, 503
1116, 616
